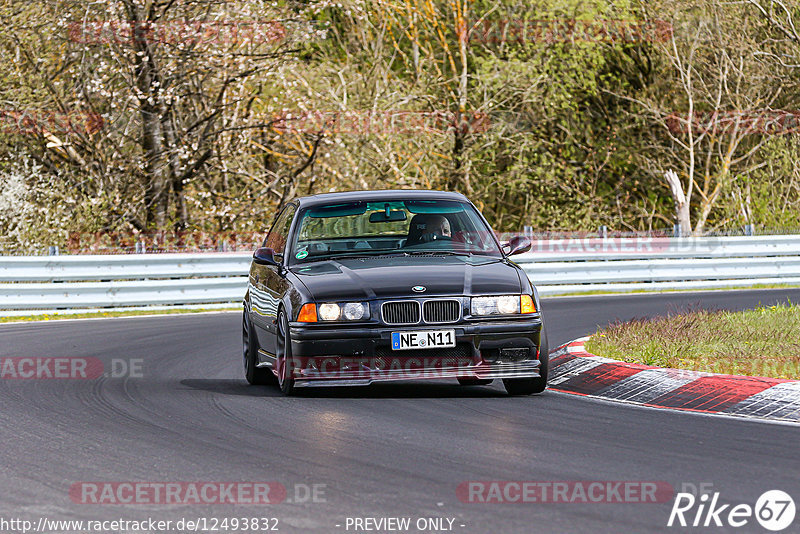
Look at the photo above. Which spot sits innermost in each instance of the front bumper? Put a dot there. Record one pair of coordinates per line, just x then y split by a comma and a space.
358, 355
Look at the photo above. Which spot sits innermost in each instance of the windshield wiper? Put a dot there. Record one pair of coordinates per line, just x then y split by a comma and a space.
437, 253
388, 252
359, 254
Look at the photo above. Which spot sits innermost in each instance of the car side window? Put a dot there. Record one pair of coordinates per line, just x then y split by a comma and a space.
276, 239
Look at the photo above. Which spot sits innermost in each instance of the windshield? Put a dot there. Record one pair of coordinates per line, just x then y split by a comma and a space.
392, 227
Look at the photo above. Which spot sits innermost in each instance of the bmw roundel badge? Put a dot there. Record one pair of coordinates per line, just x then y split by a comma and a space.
418, 289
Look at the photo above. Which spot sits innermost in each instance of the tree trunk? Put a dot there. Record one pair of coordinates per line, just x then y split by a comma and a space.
156, 173
681, 202
157, 186
461, 164
175, 173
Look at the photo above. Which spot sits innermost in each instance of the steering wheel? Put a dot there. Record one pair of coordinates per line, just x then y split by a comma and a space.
434, 236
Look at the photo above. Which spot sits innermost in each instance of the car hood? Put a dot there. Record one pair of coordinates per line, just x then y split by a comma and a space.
394, 276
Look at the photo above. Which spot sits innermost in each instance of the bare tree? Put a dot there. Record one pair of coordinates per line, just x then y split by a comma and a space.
703, 123
177, 85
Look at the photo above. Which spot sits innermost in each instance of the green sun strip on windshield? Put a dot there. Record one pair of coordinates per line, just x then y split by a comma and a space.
337, 210
433, 206
410, 206
381, 206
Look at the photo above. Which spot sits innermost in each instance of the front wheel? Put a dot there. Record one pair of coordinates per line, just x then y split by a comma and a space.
255, 375
284, 359
528, 386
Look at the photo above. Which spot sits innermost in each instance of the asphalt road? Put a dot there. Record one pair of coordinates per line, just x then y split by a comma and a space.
396, 450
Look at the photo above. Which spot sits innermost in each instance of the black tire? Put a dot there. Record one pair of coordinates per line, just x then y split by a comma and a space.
283, 356
475, 381
257, 376
528, 386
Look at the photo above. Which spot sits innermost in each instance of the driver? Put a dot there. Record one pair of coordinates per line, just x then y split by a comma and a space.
428, 227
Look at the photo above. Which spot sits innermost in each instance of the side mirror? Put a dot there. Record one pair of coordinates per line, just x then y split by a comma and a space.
517, 245
265, 256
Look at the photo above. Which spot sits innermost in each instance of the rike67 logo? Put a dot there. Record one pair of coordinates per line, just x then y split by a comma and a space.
774, 510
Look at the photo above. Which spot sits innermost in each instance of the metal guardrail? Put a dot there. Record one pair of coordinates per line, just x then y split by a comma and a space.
121, 267
31, 284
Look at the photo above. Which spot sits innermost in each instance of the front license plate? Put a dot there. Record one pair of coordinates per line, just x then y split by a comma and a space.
431, 339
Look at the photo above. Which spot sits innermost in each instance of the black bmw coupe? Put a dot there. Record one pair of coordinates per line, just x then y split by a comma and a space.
357, 287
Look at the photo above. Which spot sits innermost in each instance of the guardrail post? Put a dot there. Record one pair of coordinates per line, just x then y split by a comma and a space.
603, 232
52, 251
140, 248
749, 229
676, 231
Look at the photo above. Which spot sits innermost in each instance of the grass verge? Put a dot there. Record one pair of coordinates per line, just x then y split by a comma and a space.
760, 342
102, 314
639, 291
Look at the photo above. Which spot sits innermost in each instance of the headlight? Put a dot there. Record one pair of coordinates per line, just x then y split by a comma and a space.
350, 311
329, 311
502, 305
354, 311
507, 305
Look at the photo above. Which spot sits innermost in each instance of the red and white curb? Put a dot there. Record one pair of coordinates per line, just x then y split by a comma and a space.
573, 370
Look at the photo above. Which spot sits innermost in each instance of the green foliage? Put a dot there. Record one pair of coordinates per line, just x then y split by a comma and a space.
574, 135
769, 196
760, 342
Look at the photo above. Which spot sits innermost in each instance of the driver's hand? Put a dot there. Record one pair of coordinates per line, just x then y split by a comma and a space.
430, 236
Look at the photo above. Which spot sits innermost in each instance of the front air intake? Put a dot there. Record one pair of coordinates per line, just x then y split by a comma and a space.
441, 311
401, 312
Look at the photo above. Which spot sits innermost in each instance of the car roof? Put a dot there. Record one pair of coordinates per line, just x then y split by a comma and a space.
377, 196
